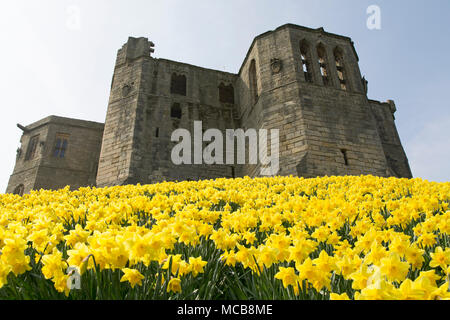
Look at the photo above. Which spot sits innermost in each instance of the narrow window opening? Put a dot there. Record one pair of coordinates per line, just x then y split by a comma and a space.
175, 111
157, 133
304, 51
344, 153
339, 58
253, 81
178, 84
321, 52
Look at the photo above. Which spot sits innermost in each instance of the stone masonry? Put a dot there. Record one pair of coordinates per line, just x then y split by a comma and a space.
304, 82
42, 163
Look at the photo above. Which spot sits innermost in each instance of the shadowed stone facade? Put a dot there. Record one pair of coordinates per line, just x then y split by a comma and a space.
304, 82
42, 162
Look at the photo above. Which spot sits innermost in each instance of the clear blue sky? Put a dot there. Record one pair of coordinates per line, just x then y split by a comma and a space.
48, 65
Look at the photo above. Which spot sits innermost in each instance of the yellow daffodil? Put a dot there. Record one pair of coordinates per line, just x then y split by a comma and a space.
335, 296
133, 276
174, 285
393, 268
377, 233
440, 258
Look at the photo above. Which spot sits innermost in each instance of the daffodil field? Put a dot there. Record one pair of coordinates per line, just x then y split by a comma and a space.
266, 238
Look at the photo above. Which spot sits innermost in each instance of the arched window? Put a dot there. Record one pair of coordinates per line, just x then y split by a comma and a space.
340, 67
226, 93
178, 84
322, 54
253, 81
175, 111
306, 60
19, 190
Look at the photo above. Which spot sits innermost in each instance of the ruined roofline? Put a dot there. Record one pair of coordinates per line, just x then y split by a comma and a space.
65, 121
378, 101
288, 25
295, 26
184, 64
197, 67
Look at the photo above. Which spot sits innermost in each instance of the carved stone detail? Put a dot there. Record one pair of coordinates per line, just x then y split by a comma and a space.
276, 65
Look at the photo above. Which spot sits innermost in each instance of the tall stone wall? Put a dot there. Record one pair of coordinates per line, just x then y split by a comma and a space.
118, 136
137, 140
325, 128
395, 155
278, 106
341, 132
155, 124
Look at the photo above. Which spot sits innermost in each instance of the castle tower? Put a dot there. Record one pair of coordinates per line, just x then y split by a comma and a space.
304, 82
307, 83
150, 98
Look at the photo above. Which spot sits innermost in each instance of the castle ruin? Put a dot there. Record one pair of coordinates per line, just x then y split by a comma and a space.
304, 82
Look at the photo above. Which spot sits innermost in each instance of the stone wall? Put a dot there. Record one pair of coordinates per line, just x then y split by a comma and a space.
390, 140
117, 145
325, 128
304, 82
137, 142
77, 168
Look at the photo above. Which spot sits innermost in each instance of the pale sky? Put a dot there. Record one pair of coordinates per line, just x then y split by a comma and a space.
50, 64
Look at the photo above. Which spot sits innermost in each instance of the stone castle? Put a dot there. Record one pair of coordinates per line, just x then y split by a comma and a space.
304, 82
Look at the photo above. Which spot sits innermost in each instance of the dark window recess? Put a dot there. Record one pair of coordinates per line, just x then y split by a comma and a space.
321, 52
304, 51
226, 93
31, 151
344, 153
19, 190
178, 84
339, 58
60, 148
157, 133
253, 81
175, 111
